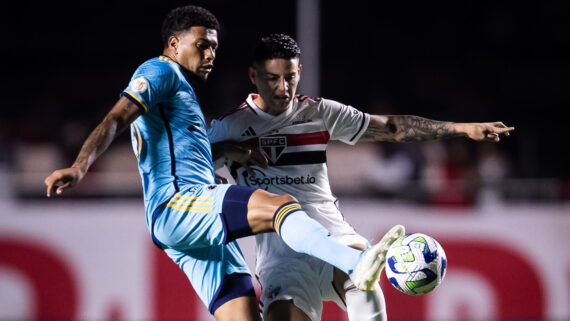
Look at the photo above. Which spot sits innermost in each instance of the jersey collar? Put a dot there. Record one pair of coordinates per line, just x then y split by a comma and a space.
267, 116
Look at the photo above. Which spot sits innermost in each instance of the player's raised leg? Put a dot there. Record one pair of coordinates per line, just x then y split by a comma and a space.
284, 215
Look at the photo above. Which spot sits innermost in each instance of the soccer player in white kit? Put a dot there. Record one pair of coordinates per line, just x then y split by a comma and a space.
276, 140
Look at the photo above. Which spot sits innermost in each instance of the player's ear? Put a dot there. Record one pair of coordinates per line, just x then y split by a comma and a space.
252, 74
173, 43
300, 68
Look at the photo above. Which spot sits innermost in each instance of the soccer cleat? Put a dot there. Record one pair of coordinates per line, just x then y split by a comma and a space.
367, 271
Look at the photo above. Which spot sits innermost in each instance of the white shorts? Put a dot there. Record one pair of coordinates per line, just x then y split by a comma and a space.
307, 281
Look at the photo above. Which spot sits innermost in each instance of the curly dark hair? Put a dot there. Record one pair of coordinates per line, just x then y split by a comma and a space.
182, 18
276, 45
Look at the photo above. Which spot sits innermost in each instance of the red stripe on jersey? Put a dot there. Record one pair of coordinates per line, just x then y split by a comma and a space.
307, 139
296, 139
302, 98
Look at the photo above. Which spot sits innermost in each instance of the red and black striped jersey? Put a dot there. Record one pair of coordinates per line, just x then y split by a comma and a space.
294, 142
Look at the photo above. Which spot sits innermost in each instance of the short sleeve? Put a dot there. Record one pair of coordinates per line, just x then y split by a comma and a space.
218, 131
151, 84
344, 122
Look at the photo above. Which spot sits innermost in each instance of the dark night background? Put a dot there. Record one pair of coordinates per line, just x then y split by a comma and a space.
462, 61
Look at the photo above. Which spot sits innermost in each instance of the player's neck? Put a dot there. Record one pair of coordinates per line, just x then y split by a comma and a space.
167, 52
271, 110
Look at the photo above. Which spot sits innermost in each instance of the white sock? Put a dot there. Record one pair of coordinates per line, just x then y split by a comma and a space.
364, 305
305, 235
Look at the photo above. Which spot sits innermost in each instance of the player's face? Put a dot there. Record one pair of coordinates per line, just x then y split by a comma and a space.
196, 50
276, 81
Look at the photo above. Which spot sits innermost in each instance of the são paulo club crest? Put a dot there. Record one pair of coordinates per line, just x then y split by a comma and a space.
273, 146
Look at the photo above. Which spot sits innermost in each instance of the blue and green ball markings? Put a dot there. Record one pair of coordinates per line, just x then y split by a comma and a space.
415, 274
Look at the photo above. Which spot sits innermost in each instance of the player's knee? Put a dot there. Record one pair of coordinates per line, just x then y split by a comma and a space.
284, 199
282, 203
269, 202
264, 207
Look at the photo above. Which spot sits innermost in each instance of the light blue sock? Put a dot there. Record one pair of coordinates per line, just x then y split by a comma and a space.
305, 235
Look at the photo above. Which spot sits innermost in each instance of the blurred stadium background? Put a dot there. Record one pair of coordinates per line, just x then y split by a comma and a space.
501, 211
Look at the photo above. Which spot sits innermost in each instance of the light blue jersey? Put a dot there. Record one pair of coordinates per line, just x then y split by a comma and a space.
170, 138
184, 207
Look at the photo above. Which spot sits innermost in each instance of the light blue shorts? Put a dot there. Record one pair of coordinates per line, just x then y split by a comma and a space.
196, 228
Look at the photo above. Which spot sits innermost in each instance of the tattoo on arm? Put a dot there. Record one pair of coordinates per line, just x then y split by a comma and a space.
99, 139
408, 128
116, 121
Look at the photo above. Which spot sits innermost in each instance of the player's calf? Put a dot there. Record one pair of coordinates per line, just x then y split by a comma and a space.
263, 207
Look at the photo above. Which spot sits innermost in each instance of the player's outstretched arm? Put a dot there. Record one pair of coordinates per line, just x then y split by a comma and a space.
409, 128
117, 120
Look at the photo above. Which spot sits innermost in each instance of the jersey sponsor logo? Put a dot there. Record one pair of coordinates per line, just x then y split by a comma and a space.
272, 147
140, 85
260, 180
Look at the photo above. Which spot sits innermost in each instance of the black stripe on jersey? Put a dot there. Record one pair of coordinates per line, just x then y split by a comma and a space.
170, 147
302, 158
359, 129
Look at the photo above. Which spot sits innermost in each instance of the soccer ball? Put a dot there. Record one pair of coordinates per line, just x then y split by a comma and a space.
415, 264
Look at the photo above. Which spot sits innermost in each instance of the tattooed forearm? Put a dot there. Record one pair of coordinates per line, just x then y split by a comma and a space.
414, 128
115, 122
99, 139
407, 128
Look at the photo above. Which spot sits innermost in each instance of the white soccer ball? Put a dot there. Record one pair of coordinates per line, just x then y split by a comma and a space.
415, 264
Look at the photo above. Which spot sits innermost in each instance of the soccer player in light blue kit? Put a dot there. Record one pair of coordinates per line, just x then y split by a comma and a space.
191, 218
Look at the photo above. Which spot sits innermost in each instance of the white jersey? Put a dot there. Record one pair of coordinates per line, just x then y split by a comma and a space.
294, 143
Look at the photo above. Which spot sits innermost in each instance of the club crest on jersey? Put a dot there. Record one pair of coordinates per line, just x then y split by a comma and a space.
140, 85
273, 147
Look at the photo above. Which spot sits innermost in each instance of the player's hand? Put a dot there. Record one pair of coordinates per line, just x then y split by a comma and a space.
62, 179
258, 158
246, 156
487, 131
219, 179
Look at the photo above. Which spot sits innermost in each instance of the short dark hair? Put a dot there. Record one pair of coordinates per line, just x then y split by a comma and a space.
183, 18
276, 45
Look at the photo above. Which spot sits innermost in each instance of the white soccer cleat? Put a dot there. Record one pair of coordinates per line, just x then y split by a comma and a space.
367, 271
